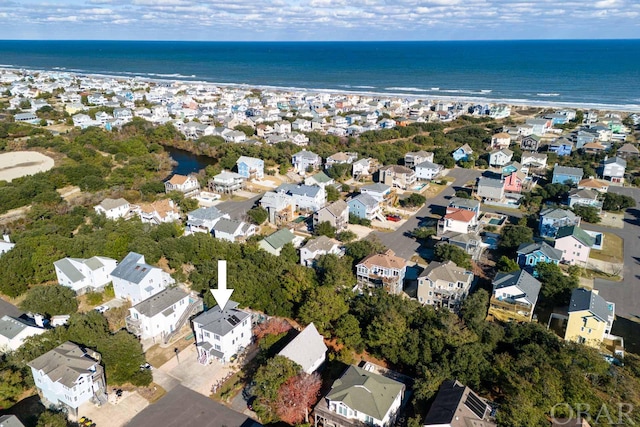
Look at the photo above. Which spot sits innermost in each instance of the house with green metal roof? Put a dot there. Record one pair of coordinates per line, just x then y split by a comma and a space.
274, 242
360, 397
575, 244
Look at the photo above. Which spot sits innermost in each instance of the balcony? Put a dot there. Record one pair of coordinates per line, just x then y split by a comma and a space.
326, 418
133, 325
508, 310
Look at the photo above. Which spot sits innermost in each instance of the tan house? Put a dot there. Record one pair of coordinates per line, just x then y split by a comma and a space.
188, 185
336, 214
397, 176
599, 185
382, 270
157, 212
500, 140
444, 285
590, 318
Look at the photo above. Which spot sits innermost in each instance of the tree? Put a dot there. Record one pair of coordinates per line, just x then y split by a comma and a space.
507, 265
474, 309
348, 332
50, 300
362, 248
11, 385
272, 326
587, 213
324, 229
617, 202
257, 215
513, 236
52, 419
322, 307
296, 397
332, 193
346, 236
423, 233
448, 252
268, 380
413, 200
556, 286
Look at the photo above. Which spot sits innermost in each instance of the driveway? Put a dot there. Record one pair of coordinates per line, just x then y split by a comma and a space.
238, 209
399, 240
114, 414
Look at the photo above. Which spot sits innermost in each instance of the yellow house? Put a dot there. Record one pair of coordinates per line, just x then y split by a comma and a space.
590, 318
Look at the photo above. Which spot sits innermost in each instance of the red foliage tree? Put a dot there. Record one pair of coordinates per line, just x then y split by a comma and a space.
271, 327
296, 397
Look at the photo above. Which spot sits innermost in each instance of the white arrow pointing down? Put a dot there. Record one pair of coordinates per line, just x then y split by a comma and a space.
222, 294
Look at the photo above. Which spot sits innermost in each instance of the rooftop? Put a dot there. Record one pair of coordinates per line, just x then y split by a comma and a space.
221, 322
583, 299
160, 302
65, 363
524, 281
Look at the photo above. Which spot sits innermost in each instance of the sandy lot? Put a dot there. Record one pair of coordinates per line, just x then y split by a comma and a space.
21, 163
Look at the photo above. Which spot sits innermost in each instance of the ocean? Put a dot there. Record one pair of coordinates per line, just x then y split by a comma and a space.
593, 73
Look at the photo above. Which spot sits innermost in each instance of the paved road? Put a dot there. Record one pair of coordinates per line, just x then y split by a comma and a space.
399, 240
238, 209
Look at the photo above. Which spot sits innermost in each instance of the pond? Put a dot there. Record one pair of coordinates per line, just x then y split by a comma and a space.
187, 162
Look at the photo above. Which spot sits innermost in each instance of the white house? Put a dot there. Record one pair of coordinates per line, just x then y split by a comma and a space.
114, 208
376, 190
232, 230
444, 285
136, 281
321, 245
221, 333
341, 158
202, 220
413, 158
5, 244
427, 170
360, 397
613, 169
69, 376
305, 197
307, 349
161, 314
500, 157
157, 212
227, 182
304, 159
83, 275
459, 221
13, 332
185, 184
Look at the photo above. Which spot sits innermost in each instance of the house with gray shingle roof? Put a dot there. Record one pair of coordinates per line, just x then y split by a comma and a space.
458, 406
10, 421
83, 275
307, 349
336, 214
305, 197
161, 314
530, 254
13, 332
279, 206
590, 317
221, 333
232, 230
552, 219
360, 397
514, 296
304, 160
365, 207
444, 285
135, 280
69, 376
114, 208
567, 174
321, 245
202, 220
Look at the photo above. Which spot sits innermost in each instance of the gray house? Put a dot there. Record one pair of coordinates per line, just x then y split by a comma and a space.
490, 189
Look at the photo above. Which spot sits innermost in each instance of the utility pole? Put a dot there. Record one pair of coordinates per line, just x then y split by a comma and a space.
175, 350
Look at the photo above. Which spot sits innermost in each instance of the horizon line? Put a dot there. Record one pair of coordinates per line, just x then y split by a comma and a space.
325, 41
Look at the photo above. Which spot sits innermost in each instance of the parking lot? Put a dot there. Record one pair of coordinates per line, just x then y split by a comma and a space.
114, 413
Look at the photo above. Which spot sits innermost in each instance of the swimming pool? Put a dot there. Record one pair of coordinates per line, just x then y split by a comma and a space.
418, 187
496, 221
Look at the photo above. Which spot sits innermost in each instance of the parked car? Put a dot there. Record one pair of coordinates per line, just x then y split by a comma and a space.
101, 308
394, 218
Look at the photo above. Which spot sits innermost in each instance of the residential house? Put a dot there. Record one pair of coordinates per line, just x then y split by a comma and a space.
360, 398
530, 143
513, 182
226, 182
593, 148
458, 221
69, 376
567, 175
628, 151
232, 230
320, 179
397, 176
500, 140
467, 204
552, 219
282, 126
10, 421
530, 254
510, 168
540, 126
84, 275
5, 244
382, 270
377, 190
274, 242
250, 167
514, 296
305, 197
584, 136
427, 170
14, 331
336, 214
613, 169
158, 212
341, 158
279, 206
594, 184
456, 405
590, 318
202, 220
412, 159
307, 349
575, 244
305, 160
363, 168
162, 315
364, 206
321, 245
301, 125
534, 160
500, 157
490, 189
135, 280
584, 197
462, 153
114, 208
222, 332
561, 146
444, 285
471, 243
188, 185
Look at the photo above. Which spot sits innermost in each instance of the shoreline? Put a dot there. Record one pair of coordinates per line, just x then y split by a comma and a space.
413, 94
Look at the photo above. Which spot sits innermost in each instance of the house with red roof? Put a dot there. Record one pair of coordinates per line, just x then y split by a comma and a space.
459, 221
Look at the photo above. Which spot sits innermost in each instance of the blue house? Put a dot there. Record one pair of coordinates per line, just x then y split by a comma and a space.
585, 136
553, 218
462, 153
364, 206
250, 167
567, 174
530, 254
561, 146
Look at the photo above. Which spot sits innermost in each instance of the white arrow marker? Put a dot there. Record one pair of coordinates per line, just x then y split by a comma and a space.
222, 294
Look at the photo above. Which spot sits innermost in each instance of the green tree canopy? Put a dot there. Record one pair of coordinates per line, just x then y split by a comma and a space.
513, 236
448, 252
50, 300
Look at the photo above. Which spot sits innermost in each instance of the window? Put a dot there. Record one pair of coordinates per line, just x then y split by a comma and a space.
342, 410
368, 419
217, 347
206, 334
215, 337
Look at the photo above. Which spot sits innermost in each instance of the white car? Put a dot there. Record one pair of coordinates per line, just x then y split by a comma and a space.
101, 308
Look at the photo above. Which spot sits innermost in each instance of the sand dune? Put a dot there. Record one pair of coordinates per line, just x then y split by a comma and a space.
21, 163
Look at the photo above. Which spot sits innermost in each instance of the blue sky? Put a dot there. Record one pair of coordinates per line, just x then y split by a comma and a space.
318, 19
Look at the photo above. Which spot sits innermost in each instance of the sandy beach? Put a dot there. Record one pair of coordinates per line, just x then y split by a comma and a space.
21, 163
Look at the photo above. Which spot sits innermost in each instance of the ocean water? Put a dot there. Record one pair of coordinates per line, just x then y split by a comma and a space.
579, 72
